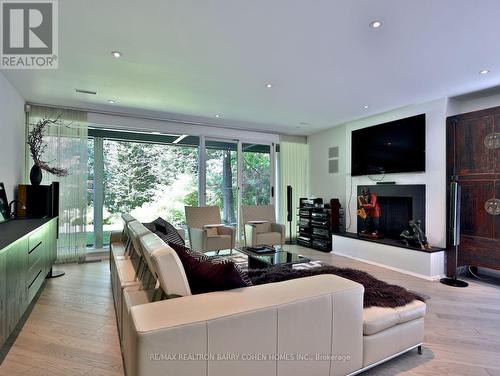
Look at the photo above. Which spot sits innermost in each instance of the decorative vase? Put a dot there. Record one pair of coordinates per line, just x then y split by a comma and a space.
36, 175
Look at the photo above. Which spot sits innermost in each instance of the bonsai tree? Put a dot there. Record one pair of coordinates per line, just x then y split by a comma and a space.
37, 147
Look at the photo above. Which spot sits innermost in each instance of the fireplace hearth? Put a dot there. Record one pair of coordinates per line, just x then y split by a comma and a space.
399, 204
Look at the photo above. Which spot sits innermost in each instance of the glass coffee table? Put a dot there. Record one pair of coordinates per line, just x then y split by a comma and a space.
270, 257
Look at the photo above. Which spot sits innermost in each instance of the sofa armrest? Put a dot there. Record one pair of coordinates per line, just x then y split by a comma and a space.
115, 237
315, 315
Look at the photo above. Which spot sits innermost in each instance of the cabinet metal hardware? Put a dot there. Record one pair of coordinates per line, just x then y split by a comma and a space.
492, 206
492, 140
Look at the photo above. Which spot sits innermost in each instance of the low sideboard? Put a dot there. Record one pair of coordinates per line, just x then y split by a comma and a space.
28, 249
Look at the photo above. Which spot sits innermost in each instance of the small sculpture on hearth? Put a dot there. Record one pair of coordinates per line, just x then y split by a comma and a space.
415, 235
369, 210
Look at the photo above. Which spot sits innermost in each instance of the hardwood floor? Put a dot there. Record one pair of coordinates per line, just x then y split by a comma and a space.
462, 326
72, 329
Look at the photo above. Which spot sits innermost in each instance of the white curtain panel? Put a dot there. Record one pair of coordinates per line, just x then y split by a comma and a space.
66, 148
294, 171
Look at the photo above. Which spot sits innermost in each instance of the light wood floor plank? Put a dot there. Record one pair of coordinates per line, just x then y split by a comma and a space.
72, 328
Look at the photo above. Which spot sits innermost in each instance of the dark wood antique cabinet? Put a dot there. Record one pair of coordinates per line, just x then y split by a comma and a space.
473, 160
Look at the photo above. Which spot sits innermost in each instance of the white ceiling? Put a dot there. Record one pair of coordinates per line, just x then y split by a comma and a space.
190, 59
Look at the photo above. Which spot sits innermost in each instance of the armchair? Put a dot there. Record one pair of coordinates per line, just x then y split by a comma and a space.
260, 225
205, 230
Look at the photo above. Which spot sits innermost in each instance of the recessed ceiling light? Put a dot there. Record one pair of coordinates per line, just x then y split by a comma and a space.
269, 86
375, 24
155, 132
366, 106
83, 91
484, 71
110, 101
217, 115
116, 54
179, 139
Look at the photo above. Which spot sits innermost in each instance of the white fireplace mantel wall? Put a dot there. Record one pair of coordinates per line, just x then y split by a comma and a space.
434, 177
420, 264
341, 185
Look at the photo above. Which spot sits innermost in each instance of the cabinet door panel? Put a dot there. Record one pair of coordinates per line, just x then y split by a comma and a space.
17, 293
497, 217
3, 297
497, 150
475, 221
471, 154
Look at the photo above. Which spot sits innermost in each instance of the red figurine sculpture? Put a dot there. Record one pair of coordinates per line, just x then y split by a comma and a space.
368, 202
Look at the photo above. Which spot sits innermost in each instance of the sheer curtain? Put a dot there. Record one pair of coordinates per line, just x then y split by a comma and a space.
66, 148
293, 170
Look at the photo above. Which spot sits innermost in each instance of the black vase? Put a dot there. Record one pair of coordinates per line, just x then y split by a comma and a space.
36, 175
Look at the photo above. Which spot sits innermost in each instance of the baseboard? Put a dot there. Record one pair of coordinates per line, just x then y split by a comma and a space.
418, 275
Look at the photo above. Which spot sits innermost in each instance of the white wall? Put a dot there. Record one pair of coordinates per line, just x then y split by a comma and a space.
464, 104
342, 186
11, 136
322, 184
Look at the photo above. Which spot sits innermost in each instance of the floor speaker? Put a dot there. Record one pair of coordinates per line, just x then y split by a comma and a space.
289, 208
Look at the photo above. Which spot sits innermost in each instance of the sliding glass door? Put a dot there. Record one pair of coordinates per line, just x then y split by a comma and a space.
222, 178
237, 173
256, 174
151, 175
147, 175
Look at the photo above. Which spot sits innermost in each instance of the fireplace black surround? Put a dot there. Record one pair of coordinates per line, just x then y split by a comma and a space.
399, 204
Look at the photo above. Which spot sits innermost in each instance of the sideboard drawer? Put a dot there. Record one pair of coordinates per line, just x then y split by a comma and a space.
35, 240
33, 272
35, 254
38, 278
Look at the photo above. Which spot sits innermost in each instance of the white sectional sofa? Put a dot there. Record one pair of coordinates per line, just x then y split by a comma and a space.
308, 326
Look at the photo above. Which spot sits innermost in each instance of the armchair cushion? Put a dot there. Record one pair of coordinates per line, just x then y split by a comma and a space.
211, 231
262, 227
225, 230
208, 274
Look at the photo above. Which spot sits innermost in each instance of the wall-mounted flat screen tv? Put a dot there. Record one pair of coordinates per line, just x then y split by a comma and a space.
394, 147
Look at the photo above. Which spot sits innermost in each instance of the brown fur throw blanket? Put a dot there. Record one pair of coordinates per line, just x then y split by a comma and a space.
377, 293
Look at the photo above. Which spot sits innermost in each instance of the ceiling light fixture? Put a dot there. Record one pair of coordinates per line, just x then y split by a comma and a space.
116, 54
366, 106
269, 86
83, 91
110, 101
179, 139
484, 71
375, 24
217, 115
155, 132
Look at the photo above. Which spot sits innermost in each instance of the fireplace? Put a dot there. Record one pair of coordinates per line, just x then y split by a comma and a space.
399, 204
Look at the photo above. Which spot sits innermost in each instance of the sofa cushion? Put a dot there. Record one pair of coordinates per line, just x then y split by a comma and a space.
376, 319
170, 271
208, 274
168, 232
